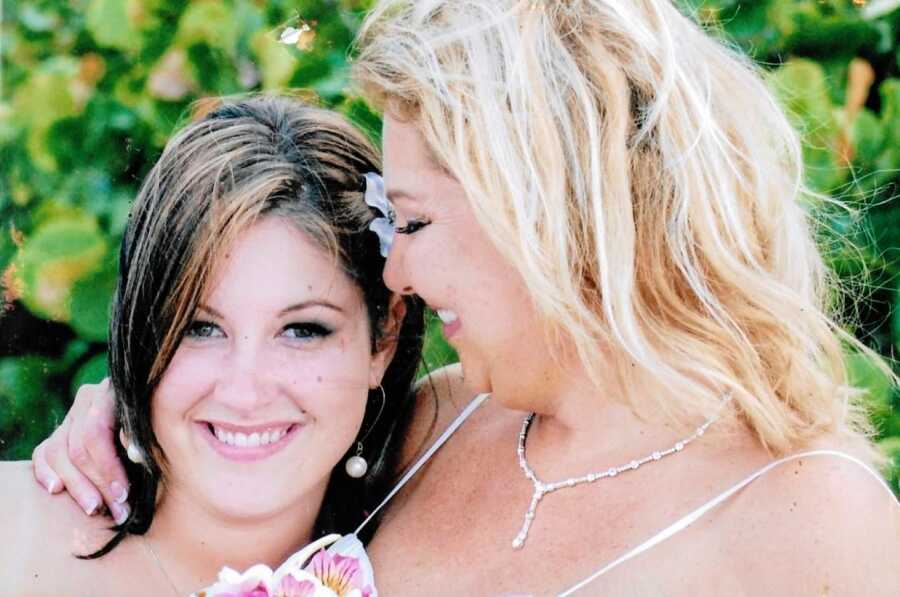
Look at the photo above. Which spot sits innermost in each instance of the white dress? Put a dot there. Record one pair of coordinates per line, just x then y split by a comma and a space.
350, 545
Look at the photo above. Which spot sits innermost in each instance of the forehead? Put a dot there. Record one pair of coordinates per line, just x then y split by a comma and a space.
273, 263
409, 168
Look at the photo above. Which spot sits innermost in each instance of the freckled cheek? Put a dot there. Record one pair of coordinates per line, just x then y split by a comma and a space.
329, 381
189, 377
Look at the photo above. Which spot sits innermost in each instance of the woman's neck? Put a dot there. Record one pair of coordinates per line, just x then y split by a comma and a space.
193, 543
584, 418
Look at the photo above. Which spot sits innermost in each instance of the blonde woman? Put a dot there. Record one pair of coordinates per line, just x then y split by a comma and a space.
604, 206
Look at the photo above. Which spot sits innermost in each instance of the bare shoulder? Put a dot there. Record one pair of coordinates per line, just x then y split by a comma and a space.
820, 524
41, 534
440, 397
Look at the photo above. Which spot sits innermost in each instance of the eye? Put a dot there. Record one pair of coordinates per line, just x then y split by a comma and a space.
203, 329
412, 226
306, 331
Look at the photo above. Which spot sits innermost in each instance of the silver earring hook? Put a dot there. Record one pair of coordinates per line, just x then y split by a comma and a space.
378, 416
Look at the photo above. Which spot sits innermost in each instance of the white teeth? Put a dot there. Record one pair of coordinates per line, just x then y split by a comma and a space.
447, 316
253, 440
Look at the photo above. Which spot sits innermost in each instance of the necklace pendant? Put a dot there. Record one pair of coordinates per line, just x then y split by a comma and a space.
541, 489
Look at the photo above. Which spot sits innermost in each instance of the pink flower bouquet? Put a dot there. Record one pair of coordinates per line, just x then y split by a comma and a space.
343, 570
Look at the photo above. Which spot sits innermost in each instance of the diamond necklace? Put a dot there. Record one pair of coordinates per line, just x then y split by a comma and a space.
541, 488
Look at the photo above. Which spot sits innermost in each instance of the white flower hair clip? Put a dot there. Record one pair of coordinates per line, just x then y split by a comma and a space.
383, 226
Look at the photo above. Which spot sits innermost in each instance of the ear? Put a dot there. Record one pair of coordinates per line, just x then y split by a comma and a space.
387, 344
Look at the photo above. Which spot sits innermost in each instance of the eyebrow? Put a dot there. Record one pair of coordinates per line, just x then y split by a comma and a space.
395, 194
295, 307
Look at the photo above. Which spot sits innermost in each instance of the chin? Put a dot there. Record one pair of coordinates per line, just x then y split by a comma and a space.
249, 507
475, 379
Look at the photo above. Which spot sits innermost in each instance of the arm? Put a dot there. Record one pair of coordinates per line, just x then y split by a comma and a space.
80, 456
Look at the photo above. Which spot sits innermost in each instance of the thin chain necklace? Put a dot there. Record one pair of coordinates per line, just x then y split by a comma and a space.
159, 565
541, 488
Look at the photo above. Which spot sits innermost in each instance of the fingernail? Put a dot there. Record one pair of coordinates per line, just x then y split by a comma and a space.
91, 507
119, 492
120, 512
53, 486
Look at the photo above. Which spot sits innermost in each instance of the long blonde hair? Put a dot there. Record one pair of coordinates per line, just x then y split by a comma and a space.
646, 185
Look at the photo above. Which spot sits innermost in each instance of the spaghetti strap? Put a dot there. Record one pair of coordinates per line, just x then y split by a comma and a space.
687, 520
451, 429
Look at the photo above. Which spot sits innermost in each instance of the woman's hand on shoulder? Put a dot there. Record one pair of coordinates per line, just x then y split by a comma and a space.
80, 456
820, 525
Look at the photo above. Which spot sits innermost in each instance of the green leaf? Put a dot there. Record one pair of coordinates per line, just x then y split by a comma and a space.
437, 352
53, 259
895, 320
890, 447
46, 97
868, 137
91, 296
108, 23
275, 60
23, 383
890, 111
866, 374
92, 371
209, 22
803, 89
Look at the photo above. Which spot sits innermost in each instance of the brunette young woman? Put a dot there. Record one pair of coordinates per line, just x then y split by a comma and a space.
261, 371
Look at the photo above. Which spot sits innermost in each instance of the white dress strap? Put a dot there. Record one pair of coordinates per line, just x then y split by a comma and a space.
451, 429
687, 520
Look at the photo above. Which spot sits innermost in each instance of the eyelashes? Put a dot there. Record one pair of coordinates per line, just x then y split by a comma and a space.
412, 226
203, 329
306, 331
302, 331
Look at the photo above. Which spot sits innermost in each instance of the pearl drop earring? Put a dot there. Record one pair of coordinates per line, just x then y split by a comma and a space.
134, 453
356, 466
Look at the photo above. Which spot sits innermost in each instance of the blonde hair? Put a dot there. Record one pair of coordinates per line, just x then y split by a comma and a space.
646, 185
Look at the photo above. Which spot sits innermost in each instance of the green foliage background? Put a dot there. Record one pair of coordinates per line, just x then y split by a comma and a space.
91, 90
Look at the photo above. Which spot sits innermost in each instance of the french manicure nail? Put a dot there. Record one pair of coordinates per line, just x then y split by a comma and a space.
91, 507
120, 512
119, 492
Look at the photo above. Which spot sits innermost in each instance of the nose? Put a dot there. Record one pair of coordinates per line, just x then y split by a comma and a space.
395, 275
244, 385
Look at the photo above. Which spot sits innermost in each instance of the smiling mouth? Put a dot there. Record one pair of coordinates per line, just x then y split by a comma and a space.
254, 439
447, 316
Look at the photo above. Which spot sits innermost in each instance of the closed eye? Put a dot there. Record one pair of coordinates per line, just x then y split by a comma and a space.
306, 331
412, 226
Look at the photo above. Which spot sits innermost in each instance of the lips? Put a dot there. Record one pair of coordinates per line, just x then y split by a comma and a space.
447, 316
248, 443
450, 320
249, 440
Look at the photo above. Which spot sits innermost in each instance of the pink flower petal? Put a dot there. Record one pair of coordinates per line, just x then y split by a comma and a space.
339, 573
291, 587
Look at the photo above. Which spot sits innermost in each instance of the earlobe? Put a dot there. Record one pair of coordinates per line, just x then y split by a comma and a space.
387, 343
